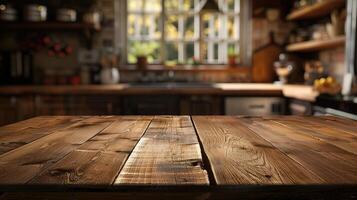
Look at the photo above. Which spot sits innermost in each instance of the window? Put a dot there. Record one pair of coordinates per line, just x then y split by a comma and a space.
174, 31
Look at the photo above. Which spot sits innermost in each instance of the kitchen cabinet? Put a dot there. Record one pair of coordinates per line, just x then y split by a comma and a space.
93, 105
201, 105
150, 105
8, 109
16, 108
77, 105
257, 106
299, 107
172, 104
50, 105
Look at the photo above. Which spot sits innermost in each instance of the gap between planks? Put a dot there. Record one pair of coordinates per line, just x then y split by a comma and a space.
98, 161
239, 156
167, 154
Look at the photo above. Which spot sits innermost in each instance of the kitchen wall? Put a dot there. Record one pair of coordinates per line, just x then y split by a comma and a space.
49, 67
46, 66
334, 62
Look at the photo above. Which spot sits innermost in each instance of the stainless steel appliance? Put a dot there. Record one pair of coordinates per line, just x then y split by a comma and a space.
254, 106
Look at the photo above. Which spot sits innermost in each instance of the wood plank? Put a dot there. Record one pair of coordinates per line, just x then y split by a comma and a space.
342, 120
167, 154
316, 45
316, 10
22, 164
334, 165
25, 132
33, 122
335, 137
346, 125
97, 162
238, 156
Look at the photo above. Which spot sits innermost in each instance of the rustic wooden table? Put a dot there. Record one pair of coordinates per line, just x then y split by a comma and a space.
206, 157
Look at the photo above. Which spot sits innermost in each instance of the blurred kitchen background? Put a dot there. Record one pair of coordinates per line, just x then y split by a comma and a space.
204, 57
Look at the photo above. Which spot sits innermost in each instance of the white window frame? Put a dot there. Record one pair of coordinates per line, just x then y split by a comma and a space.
243, 41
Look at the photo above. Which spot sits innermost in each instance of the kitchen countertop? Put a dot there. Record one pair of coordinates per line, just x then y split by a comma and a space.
292, 91
202, 155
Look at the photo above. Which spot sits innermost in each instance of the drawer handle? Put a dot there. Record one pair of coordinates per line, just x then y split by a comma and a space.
257, 106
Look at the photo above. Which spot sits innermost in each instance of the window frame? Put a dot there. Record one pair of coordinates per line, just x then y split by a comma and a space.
244, 40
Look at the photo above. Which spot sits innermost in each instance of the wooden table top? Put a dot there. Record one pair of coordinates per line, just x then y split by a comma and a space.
67, 152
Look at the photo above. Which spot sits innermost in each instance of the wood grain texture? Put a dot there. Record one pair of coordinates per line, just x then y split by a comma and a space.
168, 154
271, 156
98, 161
343, 140
22, 164
317, 45
238, 156
347, 126
334, 165
316, 10
24, 132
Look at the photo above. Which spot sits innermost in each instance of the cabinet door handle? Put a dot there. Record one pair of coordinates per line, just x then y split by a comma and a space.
257, 106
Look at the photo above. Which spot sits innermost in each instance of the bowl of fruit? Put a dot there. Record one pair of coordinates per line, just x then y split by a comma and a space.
327, 85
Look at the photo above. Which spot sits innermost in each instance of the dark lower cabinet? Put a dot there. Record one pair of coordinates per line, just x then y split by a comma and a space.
16, 108
94, 105
172, 105
150, 105
77, 105
47, 105
201, 105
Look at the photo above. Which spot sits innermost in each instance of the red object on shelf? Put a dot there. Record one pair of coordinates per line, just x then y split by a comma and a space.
46, 40
75, 80
51, 53
68, 50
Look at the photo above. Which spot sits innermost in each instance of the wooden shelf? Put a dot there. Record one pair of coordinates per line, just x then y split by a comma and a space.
62, 26
316, 10
316, 45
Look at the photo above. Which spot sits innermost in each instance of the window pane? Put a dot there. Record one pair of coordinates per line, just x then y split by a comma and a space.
190, 28
151, 26
230, 5
232, 28
153, 6
188, 5
144, 26
211, 26
135, 5
190, 50
180, 5
132, 24
182, 30
215, 51
172, 27
171, 51
172, 5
